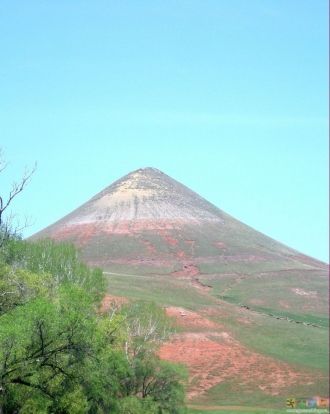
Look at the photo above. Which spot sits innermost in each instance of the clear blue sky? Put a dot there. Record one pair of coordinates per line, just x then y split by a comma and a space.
229, 97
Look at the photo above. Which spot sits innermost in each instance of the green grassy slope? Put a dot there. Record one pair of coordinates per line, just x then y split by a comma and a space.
161, 241
303, 347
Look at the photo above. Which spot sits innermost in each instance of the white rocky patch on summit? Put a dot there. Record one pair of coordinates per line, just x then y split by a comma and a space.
131, 200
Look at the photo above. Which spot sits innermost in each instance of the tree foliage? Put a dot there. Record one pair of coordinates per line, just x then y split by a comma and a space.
58, 353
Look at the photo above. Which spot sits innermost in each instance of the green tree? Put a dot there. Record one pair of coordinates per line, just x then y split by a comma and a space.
147, 327
43, 343
58, 353
19, 285
60, 260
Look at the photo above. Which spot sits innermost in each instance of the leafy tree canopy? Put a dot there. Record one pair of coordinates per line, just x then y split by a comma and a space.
59, 354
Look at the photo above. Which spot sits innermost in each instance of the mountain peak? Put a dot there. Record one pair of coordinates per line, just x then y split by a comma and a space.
142, 174
149, 170
150, 194
147, 215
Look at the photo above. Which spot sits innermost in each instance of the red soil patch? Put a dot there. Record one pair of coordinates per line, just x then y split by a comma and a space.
190, 319
187, 270
82, 234
110, 302
138, 225
180, 254
149, 246
170, 240
79, 229
220, 245
212, 358
196, 283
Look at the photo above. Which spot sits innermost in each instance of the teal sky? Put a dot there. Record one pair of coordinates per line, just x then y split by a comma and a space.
230, 97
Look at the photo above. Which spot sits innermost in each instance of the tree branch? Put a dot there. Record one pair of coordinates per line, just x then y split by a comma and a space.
17, 188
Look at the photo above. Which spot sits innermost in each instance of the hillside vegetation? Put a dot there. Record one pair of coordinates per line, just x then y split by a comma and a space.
250, 314
60, 354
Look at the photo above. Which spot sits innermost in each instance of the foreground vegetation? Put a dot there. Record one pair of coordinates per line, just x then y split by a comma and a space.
238, 410
60, 354
62, 351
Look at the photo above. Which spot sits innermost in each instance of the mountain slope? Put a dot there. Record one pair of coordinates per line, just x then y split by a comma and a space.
163, 224
252, 312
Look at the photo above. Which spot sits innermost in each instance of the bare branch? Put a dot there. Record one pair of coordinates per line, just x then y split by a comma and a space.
7, 227
3, 163
16, 189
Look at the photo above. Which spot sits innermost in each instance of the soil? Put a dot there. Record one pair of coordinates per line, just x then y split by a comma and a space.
187, 270
214, 357
109, 302
190, 319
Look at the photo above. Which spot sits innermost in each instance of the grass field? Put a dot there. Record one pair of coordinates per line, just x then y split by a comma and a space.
299, 295
303, 347
237, 410
164, 290
290, 342
306, 346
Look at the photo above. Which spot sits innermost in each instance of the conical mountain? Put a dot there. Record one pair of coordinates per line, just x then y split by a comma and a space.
149, 219
253, 313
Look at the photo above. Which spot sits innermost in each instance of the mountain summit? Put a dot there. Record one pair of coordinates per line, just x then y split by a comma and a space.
147, 194
148, 218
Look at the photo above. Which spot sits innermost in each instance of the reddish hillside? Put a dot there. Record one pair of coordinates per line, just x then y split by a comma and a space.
147, 218
250, 311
